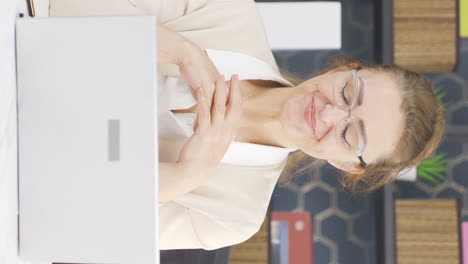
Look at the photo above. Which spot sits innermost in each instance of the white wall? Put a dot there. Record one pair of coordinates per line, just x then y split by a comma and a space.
302, 25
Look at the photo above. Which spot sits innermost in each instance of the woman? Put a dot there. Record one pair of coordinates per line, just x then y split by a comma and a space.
367, 120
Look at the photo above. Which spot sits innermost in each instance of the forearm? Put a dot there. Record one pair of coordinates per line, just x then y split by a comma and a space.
175, 180
173, 48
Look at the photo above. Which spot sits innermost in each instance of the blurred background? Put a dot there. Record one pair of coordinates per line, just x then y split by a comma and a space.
346, 227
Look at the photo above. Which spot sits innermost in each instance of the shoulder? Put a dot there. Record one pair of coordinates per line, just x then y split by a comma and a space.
168, 10
229, 25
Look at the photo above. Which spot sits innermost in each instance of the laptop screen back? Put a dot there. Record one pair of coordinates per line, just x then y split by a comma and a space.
87, 136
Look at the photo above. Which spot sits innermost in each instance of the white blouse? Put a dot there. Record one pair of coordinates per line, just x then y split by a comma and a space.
231, 205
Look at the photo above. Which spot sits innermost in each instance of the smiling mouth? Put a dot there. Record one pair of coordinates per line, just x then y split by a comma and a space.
310, 115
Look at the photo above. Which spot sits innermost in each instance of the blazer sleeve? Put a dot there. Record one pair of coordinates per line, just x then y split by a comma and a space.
183, 227
233, 25
227, 209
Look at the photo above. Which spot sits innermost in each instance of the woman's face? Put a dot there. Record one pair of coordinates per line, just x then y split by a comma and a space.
313, 116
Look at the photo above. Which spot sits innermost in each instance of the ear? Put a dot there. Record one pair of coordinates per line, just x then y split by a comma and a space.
341, 68
346, 167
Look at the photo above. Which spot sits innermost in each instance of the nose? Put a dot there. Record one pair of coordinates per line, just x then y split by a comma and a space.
331, 115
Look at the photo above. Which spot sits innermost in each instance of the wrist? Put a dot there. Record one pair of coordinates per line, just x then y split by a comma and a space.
175, 180
189, 51
173, 48
193, 174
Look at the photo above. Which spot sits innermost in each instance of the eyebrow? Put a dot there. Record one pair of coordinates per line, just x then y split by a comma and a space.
363, 131
361, 91
359, 102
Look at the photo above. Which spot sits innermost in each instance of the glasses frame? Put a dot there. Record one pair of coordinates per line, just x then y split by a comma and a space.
350, 117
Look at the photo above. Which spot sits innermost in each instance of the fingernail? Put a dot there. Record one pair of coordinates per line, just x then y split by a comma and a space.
222, 78
236, 76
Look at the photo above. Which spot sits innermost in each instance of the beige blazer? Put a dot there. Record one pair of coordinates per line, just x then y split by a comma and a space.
233, 25
231, 206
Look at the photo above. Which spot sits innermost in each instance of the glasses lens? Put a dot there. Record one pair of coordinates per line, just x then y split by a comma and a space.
347, 135
345, 93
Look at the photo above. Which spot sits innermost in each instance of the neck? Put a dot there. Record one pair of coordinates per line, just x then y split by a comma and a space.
261, 117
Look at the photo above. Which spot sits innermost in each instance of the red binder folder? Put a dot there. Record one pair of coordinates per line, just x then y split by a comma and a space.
300, 235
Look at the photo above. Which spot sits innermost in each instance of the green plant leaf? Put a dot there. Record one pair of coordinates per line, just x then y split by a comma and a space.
435, 161
432, 168
433, 171
436, 169
444, 162
425, 176
437, 157
429, 174
438, 88
440, 93
429, 179
440, 176
435, 174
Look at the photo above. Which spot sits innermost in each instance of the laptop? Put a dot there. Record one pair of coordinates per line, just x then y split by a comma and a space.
87, 140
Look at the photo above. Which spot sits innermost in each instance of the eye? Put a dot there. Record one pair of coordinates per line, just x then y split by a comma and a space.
343, 94
343, 135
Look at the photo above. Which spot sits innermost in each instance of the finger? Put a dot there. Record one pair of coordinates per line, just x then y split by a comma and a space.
218, 108
195, 123
209, 92
203, 115
234, 108
227, 93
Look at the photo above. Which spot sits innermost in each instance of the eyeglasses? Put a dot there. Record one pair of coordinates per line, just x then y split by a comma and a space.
348, 132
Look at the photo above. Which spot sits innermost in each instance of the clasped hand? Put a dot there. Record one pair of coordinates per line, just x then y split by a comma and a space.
218, 119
